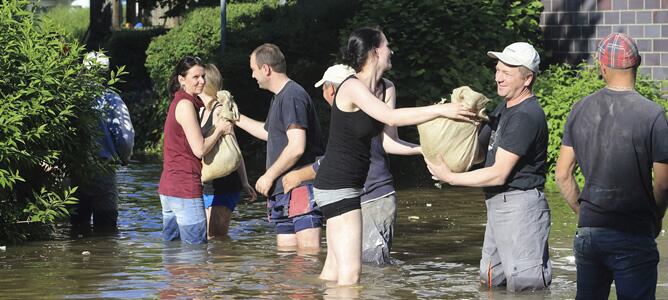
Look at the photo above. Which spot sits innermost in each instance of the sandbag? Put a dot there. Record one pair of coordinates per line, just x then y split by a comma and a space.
225, 157
456, 141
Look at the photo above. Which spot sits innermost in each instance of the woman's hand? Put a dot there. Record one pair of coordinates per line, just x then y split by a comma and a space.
223, 127
250, 192
456, 111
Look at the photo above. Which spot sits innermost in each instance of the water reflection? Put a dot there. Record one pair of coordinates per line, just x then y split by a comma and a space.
437, 246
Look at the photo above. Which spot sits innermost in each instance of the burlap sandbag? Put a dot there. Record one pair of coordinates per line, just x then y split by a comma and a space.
456, 141
225, 157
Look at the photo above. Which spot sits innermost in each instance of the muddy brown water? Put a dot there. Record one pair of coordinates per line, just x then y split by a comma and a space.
436, 250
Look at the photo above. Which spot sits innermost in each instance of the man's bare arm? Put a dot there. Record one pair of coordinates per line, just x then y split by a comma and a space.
288, 157
661, 189
253, 127
568, 186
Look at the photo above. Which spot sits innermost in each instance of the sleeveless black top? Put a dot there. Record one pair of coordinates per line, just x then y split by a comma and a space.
227, 184
346, 161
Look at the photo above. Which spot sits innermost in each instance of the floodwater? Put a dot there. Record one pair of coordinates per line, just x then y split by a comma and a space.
437, 246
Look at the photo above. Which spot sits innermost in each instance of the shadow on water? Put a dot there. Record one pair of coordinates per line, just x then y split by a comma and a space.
437, 246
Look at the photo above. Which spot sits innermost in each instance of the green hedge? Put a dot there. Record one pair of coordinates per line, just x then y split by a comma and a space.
198, 35
127, 48
560, 86
306, 31
48, 127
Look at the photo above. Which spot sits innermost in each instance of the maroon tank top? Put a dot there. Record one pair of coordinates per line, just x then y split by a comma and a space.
181, 169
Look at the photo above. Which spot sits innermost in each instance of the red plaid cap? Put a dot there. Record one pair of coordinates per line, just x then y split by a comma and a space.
618, 51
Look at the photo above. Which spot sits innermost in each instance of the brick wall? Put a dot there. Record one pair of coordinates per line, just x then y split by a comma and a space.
573, 28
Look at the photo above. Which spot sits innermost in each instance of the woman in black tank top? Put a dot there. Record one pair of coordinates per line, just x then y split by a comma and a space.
220, 195
357, 116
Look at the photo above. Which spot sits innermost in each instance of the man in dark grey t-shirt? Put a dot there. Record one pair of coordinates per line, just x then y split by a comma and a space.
292, 132
515, 251
617, 137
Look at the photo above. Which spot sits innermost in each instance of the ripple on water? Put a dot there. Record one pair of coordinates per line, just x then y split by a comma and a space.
436, 255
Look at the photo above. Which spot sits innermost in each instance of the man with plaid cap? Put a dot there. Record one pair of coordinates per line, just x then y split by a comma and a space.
617, 137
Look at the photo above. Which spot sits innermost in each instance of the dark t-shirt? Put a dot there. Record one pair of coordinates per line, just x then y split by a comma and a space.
521, 130
616, 136
291, 106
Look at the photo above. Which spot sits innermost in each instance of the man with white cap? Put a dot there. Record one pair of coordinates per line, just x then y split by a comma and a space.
379, 201
515, 250
98, 193
617, 137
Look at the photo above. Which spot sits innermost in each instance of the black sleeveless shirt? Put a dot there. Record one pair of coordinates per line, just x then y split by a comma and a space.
227, 184
346, 161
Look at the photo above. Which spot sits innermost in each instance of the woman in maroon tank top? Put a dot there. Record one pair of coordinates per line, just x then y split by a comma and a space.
180, 188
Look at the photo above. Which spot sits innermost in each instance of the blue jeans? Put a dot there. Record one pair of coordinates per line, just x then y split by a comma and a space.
603, 255
183, 219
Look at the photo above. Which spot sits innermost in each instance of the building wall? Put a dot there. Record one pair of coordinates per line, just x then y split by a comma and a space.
573, 28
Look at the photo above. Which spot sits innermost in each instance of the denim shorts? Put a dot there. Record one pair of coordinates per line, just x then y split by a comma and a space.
229, 200
277, 211
183, 219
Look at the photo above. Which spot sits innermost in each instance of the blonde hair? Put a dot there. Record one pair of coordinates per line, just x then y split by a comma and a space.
214, 80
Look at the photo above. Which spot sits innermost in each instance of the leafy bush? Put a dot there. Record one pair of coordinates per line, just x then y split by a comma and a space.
560, 86
73, 20
48, 127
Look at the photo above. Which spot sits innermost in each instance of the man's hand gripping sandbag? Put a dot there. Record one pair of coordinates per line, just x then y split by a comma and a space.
455, 141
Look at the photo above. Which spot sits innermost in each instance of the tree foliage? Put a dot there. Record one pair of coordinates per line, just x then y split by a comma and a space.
48, 126
441, 45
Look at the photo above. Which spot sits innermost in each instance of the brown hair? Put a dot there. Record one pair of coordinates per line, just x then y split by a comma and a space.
181, 69
271, 55
360, 44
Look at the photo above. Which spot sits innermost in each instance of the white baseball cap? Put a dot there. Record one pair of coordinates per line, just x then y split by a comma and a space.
518, 54
336, 74
96, 58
